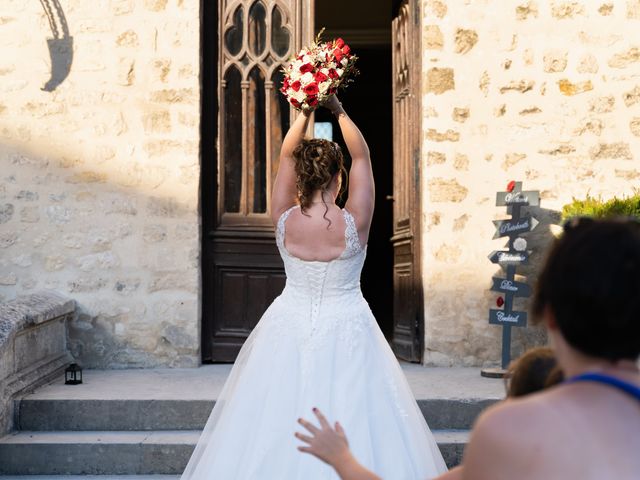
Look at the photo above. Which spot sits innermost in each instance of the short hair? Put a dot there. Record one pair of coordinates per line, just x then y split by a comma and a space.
535, 370
591, 284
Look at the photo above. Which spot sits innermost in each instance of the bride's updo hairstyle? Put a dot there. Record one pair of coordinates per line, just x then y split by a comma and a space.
317, 161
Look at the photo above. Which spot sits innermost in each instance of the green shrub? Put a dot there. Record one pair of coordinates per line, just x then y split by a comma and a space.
596, 207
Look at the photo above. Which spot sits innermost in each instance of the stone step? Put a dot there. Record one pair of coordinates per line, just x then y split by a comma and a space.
96, 453
130, 453
69, 414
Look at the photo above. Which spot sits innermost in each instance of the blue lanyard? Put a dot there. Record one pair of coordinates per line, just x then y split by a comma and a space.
607, 380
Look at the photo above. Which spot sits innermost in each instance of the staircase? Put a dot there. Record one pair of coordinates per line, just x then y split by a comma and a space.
147, 422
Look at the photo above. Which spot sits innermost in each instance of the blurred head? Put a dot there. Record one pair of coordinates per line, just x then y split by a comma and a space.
318, 163
589, 288
535, 370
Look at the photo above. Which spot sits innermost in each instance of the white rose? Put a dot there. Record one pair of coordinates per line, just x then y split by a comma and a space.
300, 96
340, 71
307, 78
294, 76
324, 86
344, 62
307, 59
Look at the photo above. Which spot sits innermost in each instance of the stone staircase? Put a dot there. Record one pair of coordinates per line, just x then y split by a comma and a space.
147, 422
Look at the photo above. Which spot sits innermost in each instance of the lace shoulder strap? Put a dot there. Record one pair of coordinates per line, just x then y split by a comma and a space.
352, 238
280, 226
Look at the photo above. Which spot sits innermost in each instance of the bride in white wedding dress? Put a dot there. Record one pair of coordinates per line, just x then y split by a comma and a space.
318, 344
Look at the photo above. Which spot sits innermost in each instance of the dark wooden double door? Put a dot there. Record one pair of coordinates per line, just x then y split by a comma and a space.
245, 43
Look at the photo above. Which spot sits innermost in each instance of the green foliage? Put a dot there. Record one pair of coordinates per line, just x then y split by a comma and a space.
596, 207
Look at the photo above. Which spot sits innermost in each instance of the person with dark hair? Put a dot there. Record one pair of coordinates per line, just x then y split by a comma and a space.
588, 426
533, 371
318, 342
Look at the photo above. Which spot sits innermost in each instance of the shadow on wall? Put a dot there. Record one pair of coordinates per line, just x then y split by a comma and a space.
60, 45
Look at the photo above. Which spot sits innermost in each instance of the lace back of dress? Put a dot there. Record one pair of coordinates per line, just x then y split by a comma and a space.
280, 228
352, 238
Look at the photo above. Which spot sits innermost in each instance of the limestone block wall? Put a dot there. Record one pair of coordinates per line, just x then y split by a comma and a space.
547, 92
99, 177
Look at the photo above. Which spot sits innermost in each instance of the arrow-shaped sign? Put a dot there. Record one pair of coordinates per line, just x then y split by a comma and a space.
530, 199
518, 289
505, 257
510, 227
515, 319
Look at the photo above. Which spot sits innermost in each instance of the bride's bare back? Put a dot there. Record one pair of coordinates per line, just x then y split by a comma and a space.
310, 237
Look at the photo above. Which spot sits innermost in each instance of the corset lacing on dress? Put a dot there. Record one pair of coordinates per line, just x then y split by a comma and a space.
323, 285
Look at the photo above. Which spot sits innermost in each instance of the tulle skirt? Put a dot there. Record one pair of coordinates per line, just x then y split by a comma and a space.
342, 365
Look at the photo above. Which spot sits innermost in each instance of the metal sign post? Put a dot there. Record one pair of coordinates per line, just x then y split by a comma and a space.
517, 254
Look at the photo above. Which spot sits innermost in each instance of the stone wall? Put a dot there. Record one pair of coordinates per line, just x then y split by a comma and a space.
99, 177
547, 92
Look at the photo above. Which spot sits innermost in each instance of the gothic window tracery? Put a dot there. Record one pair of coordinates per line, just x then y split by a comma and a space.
257, 40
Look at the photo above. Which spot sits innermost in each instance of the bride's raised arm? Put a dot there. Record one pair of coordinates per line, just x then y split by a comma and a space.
284, 191
361, 185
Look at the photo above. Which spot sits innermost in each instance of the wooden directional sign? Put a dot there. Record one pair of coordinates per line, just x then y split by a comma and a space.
510, 227
504, 285
527, 199
505, 257
500, 317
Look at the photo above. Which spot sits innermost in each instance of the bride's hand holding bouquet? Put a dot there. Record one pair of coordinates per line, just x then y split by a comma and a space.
317, 72
333, 104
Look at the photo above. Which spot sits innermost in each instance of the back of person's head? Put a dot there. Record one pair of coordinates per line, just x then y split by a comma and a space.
590, 284
535, 370
317, 161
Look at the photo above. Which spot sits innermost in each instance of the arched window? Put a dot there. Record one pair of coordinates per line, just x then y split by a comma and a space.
256, 41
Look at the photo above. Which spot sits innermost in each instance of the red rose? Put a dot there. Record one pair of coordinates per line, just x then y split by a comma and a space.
285, 83
338, 54
312, 101
346, 50
332, 90
339, 42
311, 89
296, 85
320, 77
333, 74
295, 102
307, 67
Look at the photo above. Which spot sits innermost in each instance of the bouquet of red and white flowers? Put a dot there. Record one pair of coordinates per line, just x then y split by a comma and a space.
317, 72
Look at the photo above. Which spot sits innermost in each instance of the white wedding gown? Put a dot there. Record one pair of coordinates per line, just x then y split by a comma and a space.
317, 345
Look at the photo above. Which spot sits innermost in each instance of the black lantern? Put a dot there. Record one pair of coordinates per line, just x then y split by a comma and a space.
73, 375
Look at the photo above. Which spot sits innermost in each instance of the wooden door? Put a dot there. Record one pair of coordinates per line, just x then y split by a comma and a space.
408, 322
242, 271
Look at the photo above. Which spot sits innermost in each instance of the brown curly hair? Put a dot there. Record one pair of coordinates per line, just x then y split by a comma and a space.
317, 161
